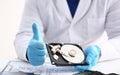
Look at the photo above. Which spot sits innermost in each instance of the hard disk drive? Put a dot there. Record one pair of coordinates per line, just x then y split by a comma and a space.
66, 54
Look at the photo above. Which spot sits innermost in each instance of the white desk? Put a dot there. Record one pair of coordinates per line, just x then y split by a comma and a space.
108, 67
16, 65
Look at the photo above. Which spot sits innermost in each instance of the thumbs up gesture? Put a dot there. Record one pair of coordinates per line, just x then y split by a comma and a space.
36, 50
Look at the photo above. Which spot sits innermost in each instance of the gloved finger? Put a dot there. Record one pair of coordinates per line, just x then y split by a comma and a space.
40, 45
92, 55
92, 58
36, 32
95, 60
36, 63
91, 49
41, 52
95, 55
37, 60
38, 52
87, 67
89, 58
37, 44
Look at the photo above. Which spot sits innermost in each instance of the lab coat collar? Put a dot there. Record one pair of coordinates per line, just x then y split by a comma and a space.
82, 8
66, 10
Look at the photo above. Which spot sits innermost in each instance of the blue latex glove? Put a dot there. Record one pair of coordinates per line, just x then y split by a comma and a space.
92, 55
36, 49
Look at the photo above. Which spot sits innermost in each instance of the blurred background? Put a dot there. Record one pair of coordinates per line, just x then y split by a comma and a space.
10, 16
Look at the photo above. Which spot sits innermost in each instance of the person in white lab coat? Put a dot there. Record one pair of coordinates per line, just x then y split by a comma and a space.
81, 22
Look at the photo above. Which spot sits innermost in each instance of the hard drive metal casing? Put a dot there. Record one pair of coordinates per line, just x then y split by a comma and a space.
61, 61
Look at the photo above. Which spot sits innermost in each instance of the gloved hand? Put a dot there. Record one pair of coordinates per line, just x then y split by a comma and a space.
92, 55
36, 50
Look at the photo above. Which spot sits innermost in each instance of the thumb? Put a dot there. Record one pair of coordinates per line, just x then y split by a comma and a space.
36, 32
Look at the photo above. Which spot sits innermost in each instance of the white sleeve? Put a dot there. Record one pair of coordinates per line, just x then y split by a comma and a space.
30, 15
110, 49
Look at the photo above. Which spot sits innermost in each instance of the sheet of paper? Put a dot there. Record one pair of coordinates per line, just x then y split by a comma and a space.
46, 69
3, 64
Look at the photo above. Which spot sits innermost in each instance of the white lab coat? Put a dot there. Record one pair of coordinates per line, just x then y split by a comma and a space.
91, 20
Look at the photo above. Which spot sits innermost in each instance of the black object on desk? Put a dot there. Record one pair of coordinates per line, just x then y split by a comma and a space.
89, 72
